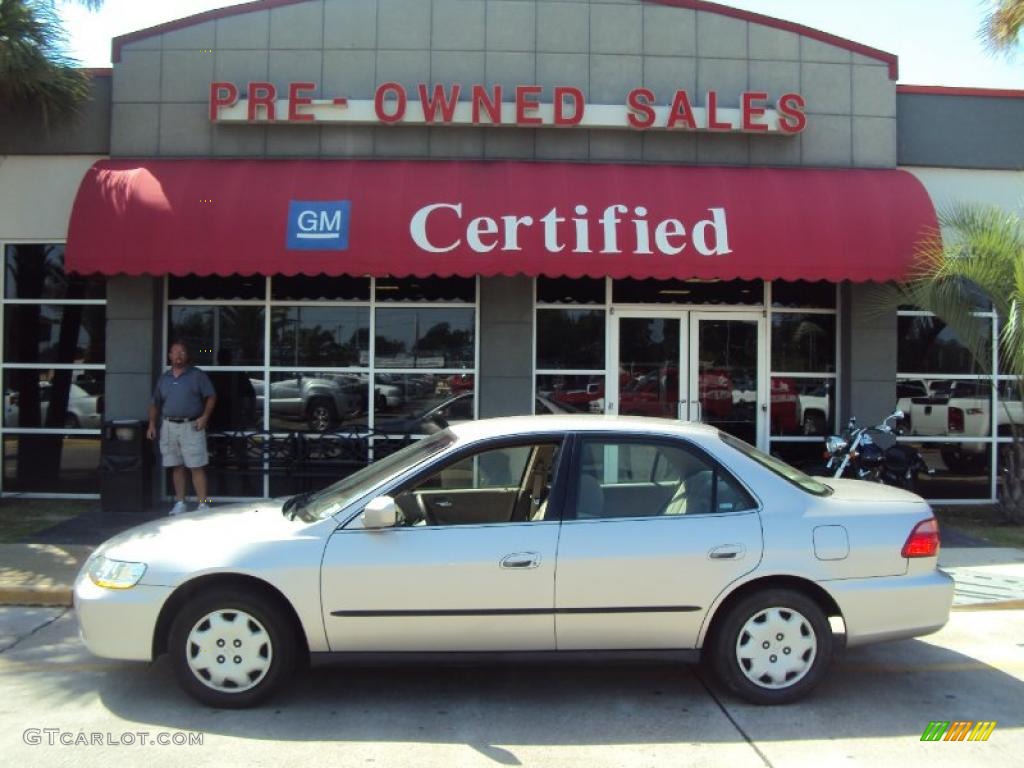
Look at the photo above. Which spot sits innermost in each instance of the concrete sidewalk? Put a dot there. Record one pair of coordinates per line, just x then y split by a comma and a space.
42, 574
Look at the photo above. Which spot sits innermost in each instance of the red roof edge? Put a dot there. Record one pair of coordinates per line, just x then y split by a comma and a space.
189, 21
948, 90
888, 59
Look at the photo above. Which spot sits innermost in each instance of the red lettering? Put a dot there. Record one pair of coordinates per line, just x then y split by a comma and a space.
400, 97
751, 111
527, 101
681, 112
575, 95
641, 114
295, 100
262, 95
491, 106
791, 107
222, 95
714, 124
438, 100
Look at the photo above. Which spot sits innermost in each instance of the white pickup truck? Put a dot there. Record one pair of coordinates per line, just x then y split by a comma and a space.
960, 409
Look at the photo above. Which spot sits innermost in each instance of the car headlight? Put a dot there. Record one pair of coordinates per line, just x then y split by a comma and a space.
115, 574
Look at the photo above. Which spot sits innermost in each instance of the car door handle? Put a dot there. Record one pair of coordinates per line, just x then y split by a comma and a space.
521, 560
728, 552
443, 503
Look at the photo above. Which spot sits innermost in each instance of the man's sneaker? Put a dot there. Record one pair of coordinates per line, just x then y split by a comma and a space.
179, 508
202, 507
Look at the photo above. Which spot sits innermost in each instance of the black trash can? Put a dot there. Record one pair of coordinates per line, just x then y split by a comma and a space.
125, 467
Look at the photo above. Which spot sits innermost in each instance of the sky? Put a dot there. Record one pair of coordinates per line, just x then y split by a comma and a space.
936, 42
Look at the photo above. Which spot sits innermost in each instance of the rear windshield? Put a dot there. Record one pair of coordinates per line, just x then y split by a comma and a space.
778, 466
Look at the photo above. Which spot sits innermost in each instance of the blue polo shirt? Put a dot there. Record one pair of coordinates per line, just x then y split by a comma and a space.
182, 397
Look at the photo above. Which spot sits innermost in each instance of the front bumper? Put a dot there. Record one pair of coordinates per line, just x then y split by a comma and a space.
893, 608
118, 623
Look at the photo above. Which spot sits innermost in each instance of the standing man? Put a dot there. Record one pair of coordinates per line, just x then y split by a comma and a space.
185, 397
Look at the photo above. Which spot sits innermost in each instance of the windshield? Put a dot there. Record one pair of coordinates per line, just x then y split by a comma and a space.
332, 498
779, 467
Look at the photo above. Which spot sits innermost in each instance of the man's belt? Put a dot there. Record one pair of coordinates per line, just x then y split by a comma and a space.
176, 420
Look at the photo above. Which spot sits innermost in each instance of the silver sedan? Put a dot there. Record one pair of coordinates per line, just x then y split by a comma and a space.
532, 536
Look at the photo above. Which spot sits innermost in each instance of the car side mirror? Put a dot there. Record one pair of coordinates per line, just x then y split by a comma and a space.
382, 512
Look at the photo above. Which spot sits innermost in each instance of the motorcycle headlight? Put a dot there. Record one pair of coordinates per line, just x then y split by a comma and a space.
834, 444
115, 574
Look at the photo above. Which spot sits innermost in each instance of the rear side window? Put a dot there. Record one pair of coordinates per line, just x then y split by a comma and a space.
779, 467
617, 478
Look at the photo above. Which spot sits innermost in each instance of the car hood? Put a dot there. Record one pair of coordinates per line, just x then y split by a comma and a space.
844, 489
204, 537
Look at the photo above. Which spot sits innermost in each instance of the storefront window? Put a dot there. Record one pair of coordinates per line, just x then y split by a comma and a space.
953, 408
220, 335
570, 338
804, 343
740, 292
53, 376
425, 338
351, 367
803, 294
312, 335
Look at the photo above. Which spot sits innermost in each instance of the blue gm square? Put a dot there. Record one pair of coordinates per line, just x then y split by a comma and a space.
318, 226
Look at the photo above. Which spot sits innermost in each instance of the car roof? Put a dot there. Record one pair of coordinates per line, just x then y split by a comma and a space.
526, 425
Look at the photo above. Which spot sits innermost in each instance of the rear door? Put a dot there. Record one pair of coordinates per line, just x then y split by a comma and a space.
654, 529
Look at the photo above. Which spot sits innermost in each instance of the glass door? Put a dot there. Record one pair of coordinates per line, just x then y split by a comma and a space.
648, 350
726, 369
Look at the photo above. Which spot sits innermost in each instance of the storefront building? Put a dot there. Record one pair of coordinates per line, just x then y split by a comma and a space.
368, 217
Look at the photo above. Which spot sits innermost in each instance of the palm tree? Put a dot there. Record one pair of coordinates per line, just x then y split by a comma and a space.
979, 261
1001, 28
37, 78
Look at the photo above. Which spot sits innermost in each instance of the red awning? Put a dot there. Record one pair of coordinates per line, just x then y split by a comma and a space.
467, 218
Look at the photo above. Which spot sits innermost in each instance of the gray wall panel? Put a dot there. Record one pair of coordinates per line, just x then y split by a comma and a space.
868, 356
506, 346
89, 134
960, 131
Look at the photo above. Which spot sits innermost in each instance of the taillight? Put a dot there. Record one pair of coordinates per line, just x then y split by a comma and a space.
923, 541
955, 419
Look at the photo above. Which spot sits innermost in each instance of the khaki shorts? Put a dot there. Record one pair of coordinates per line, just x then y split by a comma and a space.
181, 443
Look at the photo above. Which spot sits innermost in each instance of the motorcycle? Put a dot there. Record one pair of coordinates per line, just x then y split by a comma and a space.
872, 454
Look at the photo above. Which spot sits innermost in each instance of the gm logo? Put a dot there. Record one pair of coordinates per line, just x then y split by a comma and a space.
318, 226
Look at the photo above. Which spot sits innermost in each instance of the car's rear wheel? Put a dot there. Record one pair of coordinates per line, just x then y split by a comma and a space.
772, 647
230, 649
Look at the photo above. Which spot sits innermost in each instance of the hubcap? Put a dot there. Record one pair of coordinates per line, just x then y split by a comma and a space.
249, 662
320, 418
776, 648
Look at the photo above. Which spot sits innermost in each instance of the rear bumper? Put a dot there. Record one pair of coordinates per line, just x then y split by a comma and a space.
893, 608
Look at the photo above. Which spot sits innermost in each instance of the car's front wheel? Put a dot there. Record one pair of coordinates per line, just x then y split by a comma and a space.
772, 647
231, 649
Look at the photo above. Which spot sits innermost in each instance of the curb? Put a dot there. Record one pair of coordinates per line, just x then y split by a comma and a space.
49, 597
993, 605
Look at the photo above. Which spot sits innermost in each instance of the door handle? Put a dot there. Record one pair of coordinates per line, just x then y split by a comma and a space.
728, 552
442, 502
521, 560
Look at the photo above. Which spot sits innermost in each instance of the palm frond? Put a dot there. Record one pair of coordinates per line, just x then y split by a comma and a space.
1000, 30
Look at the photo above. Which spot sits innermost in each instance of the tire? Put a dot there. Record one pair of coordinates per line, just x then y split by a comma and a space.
962, 462
71, 421
738, 652
231, 620
320, 414
814, 424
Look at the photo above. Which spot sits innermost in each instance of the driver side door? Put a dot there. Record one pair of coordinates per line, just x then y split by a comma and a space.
471, 566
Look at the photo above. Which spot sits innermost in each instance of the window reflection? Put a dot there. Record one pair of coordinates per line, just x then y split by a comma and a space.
422, 403
314, 401
219, 335
51, 463
570, 394
802, 406
36, 271
53, 399
803, 343
336, 337
49, 333
570, 338
926, 345
425, 338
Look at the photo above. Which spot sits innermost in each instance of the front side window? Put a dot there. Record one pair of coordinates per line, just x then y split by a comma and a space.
509, 484
619, 478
